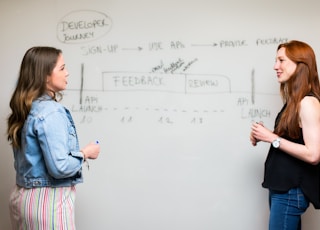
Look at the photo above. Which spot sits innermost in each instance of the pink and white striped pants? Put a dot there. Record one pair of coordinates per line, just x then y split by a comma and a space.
42, 208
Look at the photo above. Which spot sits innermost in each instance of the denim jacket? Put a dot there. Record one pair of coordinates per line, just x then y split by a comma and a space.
49, 153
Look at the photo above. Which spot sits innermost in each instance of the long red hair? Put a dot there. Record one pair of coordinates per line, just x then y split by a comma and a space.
303, 82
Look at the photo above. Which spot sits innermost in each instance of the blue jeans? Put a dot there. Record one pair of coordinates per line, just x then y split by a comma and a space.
286, 209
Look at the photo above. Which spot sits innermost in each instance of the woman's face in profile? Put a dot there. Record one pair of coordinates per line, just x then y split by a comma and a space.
57, 81
284, 67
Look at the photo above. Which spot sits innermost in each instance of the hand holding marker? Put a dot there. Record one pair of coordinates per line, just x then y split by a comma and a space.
91, 151
88, 166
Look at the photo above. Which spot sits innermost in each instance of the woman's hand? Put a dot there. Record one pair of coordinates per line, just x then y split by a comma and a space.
91, 151
261, 133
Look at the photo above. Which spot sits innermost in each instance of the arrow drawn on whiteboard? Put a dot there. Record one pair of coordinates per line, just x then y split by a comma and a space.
81, 84
213, 44
133, 49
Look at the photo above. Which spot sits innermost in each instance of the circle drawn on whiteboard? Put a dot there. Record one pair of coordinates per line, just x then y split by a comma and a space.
83, 26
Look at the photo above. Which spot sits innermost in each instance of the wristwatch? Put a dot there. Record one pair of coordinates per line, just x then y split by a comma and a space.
276, 143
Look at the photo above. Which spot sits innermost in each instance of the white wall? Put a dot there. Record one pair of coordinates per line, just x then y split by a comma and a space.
175, 150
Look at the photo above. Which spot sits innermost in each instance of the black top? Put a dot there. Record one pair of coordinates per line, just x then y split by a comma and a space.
283, 172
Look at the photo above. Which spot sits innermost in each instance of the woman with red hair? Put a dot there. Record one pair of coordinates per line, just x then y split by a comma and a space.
292, 170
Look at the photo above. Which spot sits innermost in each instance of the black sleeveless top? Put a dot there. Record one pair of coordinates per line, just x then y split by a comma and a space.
283, 172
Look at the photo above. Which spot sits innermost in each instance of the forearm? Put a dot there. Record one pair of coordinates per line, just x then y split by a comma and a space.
299, 151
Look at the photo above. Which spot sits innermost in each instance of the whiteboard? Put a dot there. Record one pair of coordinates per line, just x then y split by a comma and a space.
169, 89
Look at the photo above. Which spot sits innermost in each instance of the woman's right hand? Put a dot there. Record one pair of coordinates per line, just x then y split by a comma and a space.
91, 151
253, 140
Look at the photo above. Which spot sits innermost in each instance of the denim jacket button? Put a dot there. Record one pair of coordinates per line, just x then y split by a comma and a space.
36, 183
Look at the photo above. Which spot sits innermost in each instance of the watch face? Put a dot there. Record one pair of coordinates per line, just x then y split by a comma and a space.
276, 144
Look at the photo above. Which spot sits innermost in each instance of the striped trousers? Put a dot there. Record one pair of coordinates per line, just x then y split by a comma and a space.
44, 208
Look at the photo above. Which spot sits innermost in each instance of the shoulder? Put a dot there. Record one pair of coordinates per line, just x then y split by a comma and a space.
310, 101
310, 107
45, 108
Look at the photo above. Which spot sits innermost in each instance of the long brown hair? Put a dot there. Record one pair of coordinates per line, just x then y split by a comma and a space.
37, 64
303, 82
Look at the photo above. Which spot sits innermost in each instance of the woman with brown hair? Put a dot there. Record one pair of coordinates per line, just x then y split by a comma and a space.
47, 157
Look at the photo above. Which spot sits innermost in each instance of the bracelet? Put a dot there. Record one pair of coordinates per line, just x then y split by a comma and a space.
85, 161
